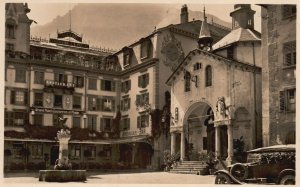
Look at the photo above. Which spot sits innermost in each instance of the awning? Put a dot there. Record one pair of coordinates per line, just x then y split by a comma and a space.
142, 138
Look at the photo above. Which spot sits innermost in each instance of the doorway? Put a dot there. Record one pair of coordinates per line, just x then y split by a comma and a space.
54, 153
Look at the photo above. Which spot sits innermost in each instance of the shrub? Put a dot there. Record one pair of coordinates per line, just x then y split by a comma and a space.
170, 159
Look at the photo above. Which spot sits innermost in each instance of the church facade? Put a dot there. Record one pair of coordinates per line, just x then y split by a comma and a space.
216, 92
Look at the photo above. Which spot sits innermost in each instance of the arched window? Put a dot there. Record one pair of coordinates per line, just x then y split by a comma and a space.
187, 79
208, 76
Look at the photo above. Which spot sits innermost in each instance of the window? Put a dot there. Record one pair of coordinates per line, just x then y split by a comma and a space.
38, 119
197, 66
10, 31
288, 100
56, 120
143, 80
127, 58
38, 99
10, 47
92, 123
125, 124
9, 118
18, 97
108, 104
39, 77
126, 86
20, 75
176, 114
143, 121
145, 49
94, 103
108, 85
78, 81
289, 51
204, 142
106, 124
208, 76
92, 84
17, 150
187, 81
125, 104
59, 77
75, 151
58, 101
142, 99
20, 118
76, 102
92, 149
76, 122
37, 150
288, 11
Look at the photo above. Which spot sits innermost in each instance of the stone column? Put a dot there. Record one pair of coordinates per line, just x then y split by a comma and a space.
173, 143
230, 144
217, 141
182, 146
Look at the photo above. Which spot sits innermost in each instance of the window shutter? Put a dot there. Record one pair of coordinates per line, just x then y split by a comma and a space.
140, 81
282, 101
122, 87
128, 123
128, 104
25, 98
146, 98
129, 84
122, 105
90, 103
12, 96
138, 99
139, 122
99, 105
112, 105
65, 78
102, 84
147, 120
101, 124
147, 79
113, 86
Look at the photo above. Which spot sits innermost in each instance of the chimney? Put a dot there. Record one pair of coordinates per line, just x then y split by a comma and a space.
184, 15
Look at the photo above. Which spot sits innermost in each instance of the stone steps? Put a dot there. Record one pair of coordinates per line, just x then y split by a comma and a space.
189, 167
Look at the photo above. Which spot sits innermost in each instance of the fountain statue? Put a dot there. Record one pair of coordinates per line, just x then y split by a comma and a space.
63, 168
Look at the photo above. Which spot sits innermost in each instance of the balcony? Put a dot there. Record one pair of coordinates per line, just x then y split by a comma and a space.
51, 85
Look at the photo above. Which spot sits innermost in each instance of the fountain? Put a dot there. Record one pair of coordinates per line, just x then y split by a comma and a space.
63, 168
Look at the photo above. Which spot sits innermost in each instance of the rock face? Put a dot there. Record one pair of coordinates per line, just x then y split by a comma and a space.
117, 25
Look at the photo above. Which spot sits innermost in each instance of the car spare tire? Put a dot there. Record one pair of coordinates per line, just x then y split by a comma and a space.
239, 171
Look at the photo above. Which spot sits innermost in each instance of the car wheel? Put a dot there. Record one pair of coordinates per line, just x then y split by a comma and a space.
239, 171
288, 180
222, 178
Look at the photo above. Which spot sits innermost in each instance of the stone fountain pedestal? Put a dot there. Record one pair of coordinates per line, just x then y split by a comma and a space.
63, 168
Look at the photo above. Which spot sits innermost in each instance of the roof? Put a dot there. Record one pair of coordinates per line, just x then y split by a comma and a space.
288, 147
213, 55
205, 31
238, 35
192, 28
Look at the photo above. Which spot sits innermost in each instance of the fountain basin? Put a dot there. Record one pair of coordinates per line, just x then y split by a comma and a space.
62, 175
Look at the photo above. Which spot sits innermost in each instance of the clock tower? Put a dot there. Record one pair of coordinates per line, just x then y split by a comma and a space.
205, 40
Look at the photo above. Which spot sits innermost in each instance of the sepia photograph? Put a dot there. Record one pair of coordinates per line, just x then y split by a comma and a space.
149, 93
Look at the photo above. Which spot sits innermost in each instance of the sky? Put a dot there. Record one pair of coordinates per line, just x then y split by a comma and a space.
44, 13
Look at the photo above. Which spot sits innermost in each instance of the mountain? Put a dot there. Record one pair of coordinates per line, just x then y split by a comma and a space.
116, 25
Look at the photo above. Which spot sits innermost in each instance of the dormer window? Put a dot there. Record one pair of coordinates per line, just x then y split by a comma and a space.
187, 79
127, 53
145, 49
10, 29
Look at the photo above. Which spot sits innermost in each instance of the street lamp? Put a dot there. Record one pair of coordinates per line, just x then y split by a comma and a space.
84, 119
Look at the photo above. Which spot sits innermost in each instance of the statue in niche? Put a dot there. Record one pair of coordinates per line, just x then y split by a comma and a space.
221, 109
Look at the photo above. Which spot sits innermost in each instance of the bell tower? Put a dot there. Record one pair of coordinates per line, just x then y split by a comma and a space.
184, 14
205, 40
242, 16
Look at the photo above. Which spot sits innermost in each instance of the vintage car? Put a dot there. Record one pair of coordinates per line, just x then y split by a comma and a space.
274, 164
